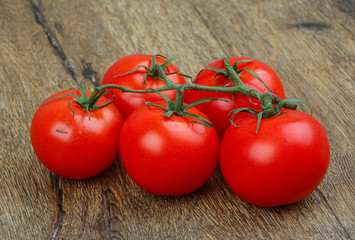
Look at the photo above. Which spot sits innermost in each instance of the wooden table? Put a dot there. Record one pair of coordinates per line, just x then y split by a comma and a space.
50, 46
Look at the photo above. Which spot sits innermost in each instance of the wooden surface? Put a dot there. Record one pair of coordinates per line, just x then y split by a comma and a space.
49, 46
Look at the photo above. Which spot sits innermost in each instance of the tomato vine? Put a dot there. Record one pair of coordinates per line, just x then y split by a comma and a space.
270, 103
176, 150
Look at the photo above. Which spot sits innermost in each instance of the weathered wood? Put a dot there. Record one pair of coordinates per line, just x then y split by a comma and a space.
49, 46
310, 44
29, 71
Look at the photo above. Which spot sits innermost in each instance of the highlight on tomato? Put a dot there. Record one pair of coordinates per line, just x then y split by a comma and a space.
253, 73
280, 164
168, 153
138, 72
75, 135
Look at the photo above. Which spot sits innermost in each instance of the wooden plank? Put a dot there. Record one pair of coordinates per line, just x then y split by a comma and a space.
311, 46
29, 71
136, 30
109, 30
58, 44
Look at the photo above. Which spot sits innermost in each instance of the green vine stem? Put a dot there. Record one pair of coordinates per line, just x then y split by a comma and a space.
88, 104
265, 99
270, 103
153, 71
239, 88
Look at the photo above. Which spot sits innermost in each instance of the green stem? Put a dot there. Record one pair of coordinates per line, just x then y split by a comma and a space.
270, 103
178, 107
267, 100
239, 88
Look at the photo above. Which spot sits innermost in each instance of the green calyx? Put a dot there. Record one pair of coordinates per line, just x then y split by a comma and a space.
87, 103
269, 108
153, 71
177, 108
270, 103
232, 72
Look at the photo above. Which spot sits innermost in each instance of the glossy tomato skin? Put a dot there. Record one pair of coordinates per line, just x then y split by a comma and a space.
167, 156
217, 111
128, 102
281, 164
75, 147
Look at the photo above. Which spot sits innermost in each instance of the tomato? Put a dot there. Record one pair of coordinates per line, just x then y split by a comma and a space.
217, 111
127, 101
75, 147
168, 156
281, 164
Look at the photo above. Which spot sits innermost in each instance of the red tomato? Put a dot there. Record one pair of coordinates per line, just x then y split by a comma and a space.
168, 156
217, 111
281, 164
127, 102
75, 147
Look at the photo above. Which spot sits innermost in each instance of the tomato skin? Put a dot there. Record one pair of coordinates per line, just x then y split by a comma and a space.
281, 164
75, 147
127, 102
217, 111
167, 156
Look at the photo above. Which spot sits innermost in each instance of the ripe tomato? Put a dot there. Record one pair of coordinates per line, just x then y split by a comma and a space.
217, 111
281, 164
168, 156
75, 147
127, 102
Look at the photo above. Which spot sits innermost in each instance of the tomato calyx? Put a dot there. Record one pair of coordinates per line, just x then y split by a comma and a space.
269, 108
270, 103
177, 107
233, 75
87, 103
153, 71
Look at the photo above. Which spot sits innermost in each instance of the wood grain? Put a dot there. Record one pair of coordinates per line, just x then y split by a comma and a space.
49, 46
29, 71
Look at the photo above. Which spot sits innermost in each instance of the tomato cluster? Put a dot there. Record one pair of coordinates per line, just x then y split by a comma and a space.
166, 145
